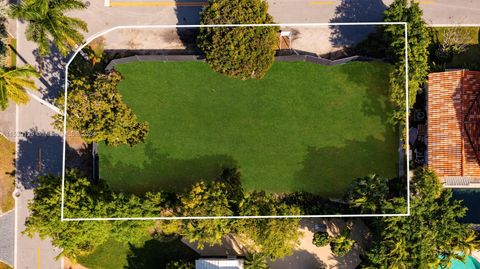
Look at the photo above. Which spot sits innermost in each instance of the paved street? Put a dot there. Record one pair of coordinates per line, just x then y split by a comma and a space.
41, 152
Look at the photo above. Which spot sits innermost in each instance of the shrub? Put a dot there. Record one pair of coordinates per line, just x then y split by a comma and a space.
321, 239
238, 52
256, 261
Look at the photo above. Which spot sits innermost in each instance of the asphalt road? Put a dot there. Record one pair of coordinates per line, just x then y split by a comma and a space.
37, 253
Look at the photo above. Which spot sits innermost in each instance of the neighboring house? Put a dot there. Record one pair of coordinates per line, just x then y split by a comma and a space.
216, 263
453, 127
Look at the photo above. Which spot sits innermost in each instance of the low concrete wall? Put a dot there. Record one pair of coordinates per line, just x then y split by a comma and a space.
187, 58
154, 58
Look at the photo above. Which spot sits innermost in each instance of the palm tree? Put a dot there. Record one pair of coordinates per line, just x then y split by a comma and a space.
255, 261
467, 243
342, 243
47, 23
13, 84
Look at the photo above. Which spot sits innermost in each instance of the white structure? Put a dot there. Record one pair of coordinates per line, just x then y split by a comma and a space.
219, 264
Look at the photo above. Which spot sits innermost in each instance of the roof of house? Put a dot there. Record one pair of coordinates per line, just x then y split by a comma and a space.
453, 121
219, 264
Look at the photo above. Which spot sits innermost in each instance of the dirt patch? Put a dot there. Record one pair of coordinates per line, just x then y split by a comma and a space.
315, 40
78, 154
309, 256
7, 169
68, 264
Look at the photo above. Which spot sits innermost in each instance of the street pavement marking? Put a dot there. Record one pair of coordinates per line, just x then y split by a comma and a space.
38, 258
157, 4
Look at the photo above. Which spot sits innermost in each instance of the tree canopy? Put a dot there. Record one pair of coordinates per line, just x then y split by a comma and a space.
418, 44
86, 200
239, 52
430, 237
369, 194
273, 237
96, 109
206, 199
47, 23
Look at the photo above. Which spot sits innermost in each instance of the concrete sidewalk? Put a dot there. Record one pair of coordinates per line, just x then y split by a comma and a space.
7, 235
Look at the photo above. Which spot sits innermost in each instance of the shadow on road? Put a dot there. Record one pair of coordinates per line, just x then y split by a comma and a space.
41, 153
188, 15
355, 11
52, 69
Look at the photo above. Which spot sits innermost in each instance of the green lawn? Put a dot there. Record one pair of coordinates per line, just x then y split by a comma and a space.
153, 254
304, 127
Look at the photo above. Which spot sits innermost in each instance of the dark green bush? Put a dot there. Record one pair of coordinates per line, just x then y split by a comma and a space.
321, 239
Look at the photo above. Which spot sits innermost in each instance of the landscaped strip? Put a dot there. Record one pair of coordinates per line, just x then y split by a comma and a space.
7, 158
303, 127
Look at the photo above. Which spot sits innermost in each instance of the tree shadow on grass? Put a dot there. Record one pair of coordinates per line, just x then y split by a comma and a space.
156, 254
332, 169
376, 103
355, 11
162, 172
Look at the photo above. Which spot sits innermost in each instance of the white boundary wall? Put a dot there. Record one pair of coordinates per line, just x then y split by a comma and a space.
90, 39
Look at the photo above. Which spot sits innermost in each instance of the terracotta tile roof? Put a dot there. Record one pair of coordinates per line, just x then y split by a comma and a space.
450, 98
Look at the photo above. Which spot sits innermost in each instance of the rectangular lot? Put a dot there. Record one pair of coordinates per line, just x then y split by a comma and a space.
303, 127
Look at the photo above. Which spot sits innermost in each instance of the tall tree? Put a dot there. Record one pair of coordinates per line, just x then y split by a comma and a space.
75, 238
130, 206
428, 238
239, 52
96, 109
86, 200
418, 43
13, 84
273, 237
206, 199
47, 23
368, 194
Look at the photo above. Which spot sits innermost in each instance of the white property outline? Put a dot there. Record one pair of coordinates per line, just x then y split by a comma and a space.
90, 39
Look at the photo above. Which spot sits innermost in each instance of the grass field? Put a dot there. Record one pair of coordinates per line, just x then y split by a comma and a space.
7, 157
304, 127
153, 254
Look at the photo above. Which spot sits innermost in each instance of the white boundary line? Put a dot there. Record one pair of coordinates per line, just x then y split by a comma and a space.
407, 131
15, 240
45, 103
90, 39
